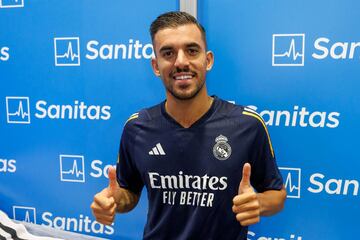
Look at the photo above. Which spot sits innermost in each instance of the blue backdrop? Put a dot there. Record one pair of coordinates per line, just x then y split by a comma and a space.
72, 73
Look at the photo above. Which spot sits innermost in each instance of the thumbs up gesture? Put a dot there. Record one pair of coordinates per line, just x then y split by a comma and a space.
104, 204
246, 205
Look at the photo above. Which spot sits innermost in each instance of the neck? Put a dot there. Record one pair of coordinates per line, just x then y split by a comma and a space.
187, 112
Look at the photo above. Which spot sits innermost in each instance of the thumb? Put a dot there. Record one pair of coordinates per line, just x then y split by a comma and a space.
112, 180
245, 180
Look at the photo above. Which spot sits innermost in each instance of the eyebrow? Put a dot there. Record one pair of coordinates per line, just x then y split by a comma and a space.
165, 48
192, 44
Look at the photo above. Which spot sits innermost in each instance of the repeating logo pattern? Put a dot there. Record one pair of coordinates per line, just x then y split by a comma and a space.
288, 50
72, 168
11, 3
67, 51
18, 110
25, 214
292, 179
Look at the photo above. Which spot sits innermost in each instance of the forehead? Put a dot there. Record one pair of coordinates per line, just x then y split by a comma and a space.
178, 36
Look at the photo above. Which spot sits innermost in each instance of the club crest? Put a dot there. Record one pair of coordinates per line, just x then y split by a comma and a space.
221, 149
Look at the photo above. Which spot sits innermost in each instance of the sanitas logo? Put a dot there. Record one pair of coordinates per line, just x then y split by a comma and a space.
292, 181
11, 3
77, 110
4, 54
72, 168
7, 165
133, 49
252, 236
18, 110
299, 116
336, 50
320, 183
82, 223
67, 50
99, 169
289, 49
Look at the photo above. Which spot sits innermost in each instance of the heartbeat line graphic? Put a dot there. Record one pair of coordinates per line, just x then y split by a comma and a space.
74, 170
288, 182
69, 53
27, 217
291, 52
20, 112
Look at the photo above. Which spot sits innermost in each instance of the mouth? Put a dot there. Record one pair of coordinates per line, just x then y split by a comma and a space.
183, 76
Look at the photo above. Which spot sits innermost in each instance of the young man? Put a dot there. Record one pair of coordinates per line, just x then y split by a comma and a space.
208, 165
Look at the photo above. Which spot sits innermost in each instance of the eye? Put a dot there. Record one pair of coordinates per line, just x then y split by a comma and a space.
193, 51
167, 54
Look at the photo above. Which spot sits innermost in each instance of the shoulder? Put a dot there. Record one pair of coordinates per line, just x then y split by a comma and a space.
251, 116
143, 117
243, 117
259, 123
240, 114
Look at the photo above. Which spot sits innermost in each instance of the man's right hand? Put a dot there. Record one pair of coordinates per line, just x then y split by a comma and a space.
104, 204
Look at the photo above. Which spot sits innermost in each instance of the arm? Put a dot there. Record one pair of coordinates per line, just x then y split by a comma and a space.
271, 201
125, 200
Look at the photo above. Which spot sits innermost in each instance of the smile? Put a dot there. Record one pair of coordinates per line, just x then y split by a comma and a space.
183, 76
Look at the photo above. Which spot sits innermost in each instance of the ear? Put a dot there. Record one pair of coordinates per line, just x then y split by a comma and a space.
209, 60
155, 66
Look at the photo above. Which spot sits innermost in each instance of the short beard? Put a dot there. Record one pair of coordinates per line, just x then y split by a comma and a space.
186, 97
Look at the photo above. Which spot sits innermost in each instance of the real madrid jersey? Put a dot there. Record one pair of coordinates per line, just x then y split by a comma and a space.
192, 174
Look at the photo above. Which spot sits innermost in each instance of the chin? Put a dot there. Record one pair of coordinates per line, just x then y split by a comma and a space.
184, 96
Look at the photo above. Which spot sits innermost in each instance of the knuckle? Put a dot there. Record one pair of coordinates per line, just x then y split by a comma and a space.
234, 208
112, 213
97, 196
253, 196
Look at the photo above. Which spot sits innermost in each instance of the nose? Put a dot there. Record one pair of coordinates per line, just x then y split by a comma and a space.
181, 60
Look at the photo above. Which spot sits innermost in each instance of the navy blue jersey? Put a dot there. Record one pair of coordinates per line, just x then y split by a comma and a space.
192, 174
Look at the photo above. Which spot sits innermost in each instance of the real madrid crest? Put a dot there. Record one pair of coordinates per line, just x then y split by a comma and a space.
221, 149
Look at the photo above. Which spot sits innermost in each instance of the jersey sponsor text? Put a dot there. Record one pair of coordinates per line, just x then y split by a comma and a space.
187, 182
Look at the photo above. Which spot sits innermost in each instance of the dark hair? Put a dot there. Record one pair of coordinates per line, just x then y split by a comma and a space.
173, 20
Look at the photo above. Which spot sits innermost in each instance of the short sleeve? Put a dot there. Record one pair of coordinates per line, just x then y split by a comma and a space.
128, 175
265, 174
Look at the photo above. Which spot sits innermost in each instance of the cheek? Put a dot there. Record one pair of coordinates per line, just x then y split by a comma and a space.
164, 67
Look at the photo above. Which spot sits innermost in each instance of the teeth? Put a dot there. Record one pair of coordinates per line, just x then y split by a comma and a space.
183, 77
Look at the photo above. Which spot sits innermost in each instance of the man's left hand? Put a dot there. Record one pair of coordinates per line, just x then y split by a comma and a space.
246, 204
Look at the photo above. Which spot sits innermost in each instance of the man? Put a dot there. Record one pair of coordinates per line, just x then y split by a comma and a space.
208, 165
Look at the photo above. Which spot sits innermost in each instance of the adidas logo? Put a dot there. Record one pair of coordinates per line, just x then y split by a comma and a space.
157, 150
